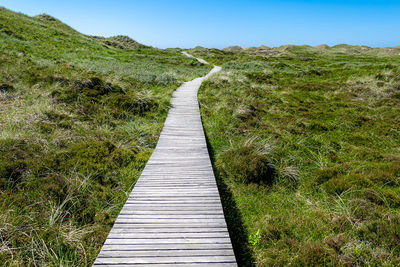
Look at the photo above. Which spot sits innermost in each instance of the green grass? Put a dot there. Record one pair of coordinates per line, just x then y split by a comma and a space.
79, 118
308, 146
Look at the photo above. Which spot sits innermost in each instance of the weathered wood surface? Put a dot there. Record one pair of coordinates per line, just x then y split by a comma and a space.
173, 217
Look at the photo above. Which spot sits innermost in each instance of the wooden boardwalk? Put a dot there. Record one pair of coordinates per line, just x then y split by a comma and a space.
173, 217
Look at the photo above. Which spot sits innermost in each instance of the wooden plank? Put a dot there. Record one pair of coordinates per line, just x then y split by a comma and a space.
158, 221
171, 260
166, 253
173, 216
167, 241
139, 213
172, 200
214, 264
167, 224
161, 229
128, 234
158, 247
171, 208
169, 216
176, 206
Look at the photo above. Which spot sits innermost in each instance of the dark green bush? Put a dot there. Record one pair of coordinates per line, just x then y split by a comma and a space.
278, 228
259, 77
166, 79
86, 91
337, 185
392, 196
315, 254
385, 230
142, 158
6, 88
324, 175
95, 86
94, 97
56, 116
336, 243
317, 127
11, 172
65, 124
45, 128
194, 62
96, 158
17, 159
121, 104
320, 86
386, 175
372, 195
52, 186
247, 165
363, 209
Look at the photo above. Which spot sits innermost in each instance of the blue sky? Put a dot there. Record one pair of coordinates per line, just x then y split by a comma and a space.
224, 23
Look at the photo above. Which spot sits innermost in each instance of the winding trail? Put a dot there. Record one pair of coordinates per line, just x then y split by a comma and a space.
173, 216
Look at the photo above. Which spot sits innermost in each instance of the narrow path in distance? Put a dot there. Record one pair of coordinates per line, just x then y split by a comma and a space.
199, 59
173, 216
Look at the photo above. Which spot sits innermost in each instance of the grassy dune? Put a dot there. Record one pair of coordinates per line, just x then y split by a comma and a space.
307, 142
79, 117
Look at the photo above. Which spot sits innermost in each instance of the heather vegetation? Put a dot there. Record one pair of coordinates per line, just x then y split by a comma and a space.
79, 117
307, 143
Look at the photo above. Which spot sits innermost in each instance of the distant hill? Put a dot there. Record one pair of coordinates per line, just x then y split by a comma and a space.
55, 35
121, 42
306, 49
54, 22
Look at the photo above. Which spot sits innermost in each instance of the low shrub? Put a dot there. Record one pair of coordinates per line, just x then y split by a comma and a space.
166, 79
6, 88
12, 172
385, 230
337, 185
315, 254
373, 196
278, 228
65, 124
94, 96
362, 209
248, 165
259, 77
45, 128
141, 159
336, 242
392, 196
324, 175
193, 62
55, 116
120, 104
17, 159
96, 158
